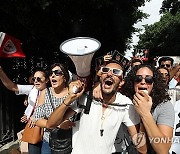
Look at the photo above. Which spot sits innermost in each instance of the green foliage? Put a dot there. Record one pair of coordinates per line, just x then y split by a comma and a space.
162, 38
172, 6
42, 25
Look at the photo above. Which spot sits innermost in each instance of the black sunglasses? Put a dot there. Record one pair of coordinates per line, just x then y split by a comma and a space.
148, 79
38, 79
165, 65
56, 72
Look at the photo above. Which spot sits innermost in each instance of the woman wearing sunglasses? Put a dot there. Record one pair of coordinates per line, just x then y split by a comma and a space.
50, 99
145, 86
32, 91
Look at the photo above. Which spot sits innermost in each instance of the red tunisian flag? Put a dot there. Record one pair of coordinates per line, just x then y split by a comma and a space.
10, 46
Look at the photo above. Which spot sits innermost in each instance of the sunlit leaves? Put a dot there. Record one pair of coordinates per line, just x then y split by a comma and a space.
163, 35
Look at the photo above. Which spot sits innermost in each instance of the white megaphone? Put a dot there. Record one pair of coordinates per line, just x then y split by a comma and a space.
81, 51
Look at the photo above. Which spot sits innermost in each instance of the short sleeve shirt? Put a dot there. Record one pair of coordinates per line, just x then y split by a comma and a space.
164, 114
24, 89
89, 139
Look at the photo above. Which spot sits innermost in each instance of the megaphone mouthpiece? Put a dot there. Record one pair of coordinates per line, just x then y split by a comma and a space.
81, 49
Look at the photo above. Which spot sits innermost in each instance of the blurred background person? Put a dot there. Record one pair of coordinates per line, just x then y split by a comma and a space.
136, 62
168, 63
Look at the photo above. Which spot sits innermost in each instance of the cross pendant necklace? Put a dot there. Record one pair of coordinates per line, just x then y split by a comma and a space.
104, 115
102, 121
101, 132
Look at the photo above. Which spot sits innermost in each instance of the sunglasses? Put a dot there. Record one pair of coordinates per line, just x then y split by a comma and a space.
56, 72
148, 79
165, 65
114, 71
38, 79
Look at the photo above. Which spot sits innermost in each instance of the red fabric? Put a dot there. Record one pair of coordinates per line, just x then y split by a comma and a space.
11, 47
178, 79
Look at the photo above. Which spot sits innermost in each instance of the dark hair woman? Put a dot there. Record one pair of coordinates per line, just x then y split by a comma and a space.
50, 99
145, 86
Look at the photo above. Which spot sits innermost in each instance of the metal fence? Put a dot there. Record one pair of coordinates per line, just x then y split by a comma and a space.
6, 117
11, 105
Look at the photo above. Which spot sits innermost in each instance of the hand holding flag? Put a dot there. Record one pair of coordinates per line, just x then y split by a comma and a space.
10, 46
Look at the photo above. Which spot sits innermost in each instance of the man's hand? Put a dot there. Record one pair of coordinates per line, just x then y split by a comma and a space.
73, 96
107, 58
97, 91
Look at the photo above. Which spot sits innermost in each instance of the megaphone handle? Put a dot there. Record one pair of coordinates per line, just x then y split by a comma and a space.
75, 89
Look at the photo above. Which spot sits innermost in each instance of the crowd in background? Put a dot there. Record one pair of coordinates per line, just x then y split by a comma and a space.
149, 93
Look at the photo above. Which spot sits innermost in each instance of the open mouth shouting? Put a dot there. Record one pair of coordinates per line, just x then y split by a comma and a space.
53, 82
108, 82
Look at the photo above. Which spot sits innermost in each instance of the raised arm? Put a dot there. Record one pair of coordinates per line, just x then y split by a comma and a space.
59, 113
132, 121
138, 138
160, 136
7, 82
155, 131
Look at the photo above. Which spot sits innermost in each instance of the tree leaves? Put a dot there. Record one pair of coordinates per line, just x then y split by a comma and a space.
42, 25
162, 38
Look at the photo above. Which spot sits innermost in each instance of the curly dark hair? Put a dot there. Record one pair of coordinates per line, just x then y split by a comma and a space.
159, 92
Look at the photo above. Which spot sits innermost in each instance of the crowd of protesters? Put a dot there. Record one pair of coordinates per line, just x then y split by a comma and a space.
132, 104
